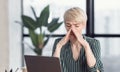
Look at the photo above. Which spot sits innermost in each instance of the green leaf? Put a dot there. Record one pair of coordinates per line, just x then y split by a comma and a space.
54, 25
43, 18
54, 20
34, 37
34, 13
29, 22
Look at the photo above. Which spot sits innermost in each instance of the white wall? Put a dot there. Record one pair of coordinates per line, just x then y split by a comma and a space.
4, 41
10, 34
14, 34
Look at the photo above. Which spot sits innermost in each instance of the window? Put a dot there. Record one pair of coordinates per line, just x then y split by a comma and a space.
107, 15
107, 25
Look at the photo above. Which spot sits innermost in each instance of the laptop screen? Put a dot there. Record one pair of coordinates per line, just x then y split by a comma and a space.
42, 64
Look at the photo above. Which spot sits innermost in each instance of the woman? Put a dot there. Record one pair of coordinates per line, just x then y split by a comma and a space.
77, 53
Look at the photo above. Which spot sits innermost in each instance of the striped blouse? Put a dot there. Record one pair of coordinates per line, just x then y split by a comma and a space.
68, 64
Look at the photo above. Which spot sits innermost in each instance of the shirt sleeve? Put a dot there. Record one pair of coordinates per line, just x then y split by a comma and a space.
96, 49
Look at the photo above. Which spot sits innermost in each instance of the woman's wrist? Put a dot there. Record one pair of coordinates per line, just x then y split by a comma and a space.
87, 47
57, 51
58, 48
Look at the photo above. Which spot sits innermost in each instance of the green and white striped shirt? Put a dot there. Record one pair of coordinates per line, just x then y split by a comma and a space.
68, 64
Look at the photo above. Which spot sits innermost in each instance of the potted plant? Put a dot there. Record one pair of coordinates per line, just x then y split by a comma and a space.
38, 39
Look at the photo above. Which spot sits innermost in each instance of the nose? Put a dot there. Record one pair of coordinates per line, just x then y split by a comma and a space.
72, 26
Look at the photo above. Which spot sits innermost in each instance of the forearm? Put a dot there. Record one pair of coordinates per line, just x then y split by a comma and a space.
57, 51
91, 61
92, 55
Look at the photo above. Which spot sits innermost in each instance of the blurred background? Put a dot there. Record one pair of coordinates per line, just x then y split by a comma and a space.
103, 24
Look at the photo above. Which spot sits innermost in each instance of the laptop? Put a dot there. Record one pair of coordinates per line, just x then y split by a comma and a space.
42, 64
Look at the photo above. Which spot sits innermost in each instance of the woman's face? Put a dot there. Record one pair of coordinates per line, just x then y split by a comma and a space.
74, 24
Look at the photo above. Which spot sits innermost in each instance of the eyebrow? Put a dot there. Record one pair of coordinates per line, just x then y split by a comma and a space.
68, 24
76, 24
73, 24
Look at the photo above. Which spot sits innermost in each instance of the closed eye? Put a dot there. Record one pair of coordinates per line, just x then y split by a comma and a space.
77, 25
68, 25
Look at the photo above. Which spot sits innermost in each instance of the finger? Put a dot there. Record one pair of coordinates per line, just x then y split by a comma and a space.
83, 42
75, 32
68, 33
65, 39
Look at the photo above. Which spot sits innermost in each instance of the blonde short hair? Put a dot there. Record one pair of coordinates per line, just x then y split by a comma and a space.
76, 14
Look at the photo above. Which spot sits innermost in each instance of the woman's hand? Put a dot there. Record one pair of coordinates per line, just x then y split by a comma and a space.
80, 39
65, 39
62, 42
91, 61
